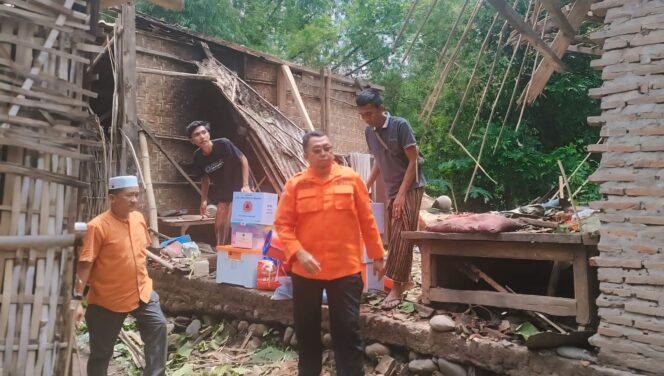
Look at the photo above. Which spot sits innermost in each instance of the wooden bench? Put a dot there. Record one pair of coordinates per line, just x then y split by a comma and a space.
183, 222
573, 247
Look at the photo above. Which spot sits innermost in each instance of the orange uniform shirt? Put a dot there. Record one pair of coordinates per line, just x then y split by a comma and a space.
329, 219
116, 248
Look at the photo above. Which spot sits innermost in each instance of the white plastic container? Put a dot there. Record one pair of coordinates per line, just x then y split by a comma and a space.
237, 266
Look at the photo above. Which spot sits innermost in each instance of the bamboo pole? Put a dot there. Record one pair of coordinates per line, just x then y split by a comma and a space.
403, 26
419, 31
147, 175
471, 80
440, 84
36, 241
489, 80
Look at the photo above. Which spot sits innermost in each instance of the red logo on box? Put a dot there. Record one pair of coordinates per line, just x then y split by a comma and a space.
247, 206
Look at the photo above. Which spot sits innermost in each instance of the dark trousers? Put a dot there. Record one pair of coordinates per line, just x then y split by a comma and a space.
104, 327
343, 297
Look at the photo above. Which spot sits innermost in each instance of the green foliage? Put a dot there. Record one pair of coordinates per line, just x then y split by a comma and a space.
358, 36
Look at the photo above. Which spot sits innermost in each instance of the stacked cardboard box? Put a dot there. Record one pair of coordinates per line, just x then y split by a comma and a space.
252, 219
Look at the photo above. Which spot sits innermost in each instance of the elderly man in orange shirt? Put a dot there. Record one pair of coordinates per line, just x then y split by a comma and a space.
323, 218
113, 262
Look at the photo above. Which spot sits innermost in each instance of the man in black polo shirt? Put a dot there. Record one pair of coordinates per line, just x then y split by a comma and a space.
392, 143
224, 170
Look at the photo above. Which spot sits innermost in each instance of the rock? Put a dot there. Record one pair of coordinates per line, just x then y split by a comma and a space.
451, 369
422, 366
169, 328
423, 311
386, 365
575, 353
258, 329
442, 323
376, 350
327, 340
293, 341
443, 203
288, 334
242, 326
193, 328
412, 355
254, 343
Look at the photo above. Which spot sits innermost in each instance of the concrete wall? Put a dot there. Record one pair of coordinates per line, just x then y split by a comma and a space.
631, 263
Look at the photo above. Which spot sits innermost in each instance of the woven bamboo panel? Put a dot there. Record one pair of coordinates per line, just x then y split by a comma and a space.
42, 107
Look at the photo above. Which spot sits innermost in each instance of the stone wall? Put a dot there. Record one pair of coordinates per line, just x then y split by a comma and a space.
631, 263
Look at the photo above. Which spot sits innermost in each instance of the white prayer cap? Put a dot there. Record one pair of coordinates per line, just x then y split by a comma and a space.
119, 182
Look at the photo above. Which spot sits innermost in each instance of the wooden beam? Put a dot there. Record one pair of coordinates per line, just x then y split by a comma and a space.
290, 80
168, 156
192, 76
553, 7
559, 45
128, 123
281, 90
527, 32
596, 51
546, 304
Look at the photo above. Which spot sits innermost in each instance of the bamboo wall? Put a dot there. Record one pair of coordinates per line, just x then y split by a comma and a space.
42, 108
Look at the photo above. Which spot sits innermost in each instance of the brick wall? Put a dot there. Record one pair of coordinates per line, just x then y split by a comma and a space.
631, 260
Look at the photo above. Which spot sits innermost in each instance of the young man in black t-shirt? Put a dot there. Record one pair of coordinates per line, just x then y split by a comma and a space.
223, 170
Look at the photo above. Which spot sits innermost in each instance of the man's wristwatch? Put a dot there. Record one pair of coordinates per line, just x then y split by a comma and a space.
76, 296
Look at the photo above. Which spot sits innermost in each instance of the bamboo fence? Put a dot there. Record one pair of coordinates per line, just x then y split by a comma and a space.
43, 53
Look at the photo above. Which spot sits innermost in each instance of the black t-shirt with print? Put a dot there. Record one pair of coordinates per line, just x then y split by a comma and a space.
224, 169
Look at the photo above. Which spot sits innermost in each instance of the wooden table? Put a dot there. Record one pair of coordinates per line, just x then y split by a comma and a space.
183, 222
573, 247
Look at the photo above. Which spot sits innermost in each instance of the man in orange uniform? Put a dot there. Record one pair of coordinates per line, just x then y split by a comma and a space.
113, 262
323, 218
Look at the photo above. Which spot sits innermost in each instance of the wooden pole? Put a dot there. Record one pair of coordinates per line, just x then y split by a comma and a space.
323, 99
168, 156
147, 176
128, 82
290, 80
328, 98
527, 31
559, 45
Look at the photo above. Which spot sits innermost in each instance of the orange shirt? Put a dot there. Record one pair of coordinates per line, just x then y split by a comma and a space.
329, 219
116, 248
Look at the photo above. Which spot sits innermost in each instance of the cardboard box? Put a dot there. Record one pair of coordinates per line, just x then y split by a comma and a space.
371, 282
237, 266
254, 208
249, 236
378, 209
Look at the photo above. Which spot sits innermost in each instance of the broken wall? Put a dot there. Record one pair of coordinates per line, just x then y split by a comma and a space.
167, 104
631, 263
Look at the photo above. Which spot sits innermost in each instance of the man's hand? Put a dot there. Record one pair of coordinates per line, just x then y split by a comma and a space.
308, 262
398, 205
77, 307
379, 268
246, 188
203, 208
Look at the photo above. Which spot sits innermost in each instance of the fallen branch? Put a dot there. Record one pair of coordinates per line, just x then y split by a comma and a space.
134, 349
